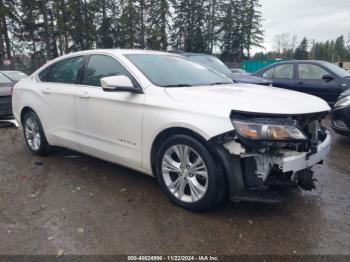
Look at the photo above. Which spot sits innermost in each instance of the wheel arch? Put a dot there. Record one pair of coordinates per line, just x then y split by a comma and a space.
168, 132
25, 110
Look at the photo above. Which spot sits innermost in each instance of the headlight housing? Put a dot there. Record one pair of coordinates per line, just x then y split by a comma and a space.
267, 131
343, 102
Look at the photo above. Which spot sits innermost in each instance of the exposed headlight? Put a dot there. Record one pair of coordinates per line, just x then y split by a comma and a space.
261, 131
344, 102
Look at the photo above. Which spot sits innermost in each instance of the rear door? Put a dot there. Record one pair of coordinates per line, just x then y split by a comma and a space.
58, 88
283, 76
309, 79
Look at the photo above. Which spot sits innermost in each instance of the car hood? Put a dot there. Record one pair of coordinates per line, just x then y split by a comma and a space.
250, 79
248, 98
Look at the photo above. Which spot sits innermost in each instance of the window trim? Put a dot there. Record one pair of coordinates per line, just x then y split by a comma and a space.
50, 67
86, 63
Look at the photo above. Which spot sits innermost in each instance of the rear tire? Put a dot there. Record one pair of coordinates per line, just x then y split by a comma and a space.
34, 135
188, 174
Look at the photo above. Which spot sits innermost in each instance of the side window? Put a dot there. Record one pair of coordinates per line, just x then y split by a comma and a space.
268, 73
4, 79
100, 66
65, 71
284, 71
311, 72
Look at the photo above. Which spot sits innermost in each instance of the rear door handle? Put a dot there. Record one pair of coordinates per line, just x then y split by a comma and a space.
84, 95
300, 83
46, 90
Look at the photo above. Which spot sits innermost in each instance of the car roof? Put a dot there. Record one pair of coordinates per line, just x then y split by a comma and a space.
182, 53
300, 62
102, 51
196, 54
108, 51
118, 51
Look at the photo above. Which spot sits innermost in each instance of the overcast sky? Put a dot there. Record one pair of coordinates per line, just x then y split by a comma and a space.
315, 19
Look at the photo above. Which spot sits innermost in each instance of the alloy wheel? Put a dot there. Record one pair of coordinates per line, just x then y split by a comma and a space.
32, 133
185, 173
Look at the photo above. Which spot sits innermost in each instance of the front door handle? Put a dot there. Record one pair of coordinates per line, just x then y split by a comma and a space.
300, 83
46, 90
84, 95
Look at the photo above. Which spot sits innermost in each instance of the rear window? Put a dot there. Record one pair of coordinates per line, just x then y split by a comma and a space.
65, 71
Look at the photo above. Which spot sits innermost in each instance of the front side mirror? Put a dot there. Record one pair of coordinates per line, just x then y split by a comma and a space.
120, 83
327, 78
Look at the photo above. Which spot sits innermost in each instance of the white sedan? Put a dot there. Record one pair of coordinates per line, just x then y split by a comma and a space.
203, 137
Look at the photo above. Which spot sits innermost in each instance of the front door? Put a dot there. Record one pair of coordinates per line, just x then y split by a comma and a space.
309, 79
109, 123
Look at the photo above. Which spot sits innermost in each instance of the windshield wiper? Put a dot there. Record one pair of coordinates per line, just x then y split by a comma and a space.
177, 85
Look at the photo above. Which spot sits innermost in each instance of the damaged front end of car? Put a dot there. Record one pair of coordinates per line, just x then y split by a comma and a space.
265, 152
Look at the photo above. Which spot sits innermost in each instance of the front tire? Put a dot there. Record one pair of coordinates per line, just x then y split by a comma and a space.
188, 174
34, 135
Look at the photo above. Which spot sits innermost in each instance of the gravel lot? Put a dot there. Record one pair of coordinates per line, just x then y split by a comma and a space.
81, 205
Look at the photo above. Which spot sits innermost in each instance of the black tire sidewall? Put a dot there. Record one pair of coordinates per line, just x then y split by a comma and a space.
44, 146
209, 200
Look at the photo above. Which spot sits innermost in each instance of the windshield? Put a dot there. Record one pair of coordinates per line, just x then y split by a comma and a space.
14, 75
174, 71
212, 62
337, 70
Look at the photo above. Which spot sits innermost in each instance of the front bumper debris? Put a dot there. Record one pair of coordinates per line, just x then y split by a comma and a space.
257, 170
295, 161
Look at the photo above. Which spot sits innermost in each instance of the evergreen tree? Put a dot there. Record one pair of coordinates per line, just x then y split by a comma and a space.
27, 32
251, 25
231, 31
104, 33
8, 16
48, 28
189, 26
340, 49
130, 24
158, 24
301, 52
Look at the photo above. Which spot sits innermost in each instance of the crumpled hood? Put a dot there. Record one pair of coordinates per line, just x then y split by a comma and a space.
248, 98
